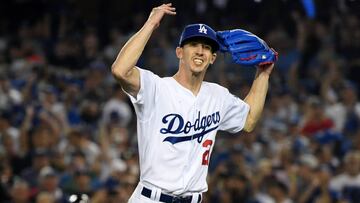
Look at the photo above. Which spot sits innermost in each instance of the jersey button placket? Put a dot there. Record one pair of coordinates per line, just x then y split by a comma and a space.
191, 145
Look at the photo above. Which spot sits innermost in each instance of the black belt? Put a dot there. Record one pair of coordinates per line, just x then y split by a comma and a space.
168, 198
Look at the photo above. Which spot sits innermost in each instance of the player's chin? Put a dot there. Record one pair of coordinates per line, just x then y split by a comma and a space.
197, 71
199, 68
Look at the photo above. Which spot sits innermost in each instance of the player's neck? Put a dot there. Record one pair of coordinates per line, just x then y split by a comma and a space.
190, 81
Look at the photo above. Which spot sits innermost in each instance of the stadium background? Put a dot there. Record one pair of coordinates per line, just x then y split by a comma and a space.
67, 131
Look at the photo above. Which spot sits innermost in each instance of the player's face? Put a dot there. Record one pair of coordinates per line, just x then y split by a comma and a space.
196, 56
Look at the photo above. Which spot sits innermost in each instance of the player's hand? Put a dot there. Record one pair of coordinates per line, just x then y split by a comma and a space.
265, 68
158, 13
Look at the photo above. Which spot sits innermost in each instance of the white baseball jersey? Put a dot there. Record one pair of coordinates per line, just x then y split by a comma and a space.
176, 130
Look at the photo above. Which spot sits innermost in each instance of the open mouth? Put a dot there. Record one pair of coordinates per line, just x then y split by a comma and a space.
198, 61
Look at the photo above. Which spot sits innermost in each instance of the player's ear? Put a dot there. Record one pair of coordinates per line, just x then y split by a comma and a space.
213, 58
179, 52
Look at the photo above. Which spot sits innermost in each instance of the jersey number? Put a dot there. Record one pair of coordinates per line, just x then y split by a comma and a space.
205, 158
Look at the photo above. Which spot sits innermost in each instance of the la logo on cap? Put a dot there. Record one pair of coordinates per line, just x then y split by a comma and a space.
202, 29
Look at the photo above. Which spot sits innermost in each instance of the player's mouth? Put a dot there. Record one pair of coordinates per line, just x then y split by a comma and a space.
198, 61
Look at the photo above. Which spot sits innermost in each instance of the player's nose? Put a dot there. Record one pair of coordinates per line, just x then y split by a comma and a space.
199, 49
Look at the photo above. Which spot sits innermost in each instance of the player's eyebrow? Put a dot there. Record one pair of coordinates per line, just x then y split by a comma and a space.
201, 41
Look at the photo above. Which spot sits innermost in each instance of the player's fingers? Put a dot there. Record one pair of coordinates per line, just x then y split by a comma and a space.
170, 8
266, 65
169, 5
170, 12
165, 7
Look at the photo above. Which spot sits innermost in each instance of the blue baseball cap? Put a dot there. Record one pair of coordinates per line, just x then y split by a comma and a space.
199, 30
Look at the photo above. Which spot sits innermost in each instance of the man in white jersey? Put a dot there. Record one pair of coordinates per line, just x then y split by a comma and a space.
178, 116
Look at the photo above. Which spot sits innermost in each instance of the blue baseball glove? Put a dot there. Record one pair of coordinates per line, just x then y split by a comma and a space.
246, 48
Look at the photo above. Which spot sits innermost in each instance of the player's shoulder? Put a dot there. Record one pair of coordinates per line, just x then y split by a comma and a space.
148, 75
147, 72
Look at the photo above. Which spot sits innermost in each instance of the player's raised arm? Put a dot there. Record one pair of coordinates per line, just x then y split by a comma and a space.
257, 94
123, 67
248, 49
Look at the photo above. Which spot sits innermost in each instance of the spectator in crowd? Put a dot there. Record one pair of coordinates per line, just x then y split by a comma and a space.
40, 160
278, 191
347, 183
20, 192
116, 109
315, 121
44, 197
319, 189
49, 186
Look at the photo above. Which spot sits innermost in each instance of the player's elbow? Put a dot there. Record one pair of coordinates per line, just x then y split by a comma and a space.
118, 72
249, 129
249, 125
115, 73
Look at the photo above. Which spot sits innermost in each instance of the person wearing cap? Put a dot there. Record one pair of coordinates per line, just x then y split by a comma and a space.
178, 116
49, 183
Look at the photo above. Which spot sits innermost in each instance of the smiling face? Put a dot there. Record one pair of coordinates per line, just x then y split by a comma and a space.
196, 55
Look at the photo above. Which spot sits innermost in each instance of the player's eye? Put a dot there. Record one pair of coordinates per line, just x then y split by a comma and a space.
204, 46
207, 47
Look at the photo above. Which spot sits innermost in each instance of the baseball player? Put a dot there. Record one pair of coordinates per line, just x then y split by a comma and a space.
178, 116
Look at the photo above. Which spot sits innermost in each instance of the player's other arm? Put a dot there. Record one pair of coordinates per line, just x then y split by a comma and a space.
123, 68
256, 96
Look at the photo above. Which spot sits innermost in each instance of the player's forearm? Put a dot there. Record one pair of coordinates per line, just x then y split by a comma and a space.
131, 52
256, 100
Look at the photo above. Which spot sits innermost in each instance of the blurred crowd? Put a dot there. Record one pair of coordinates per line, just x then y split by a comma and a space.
68, 132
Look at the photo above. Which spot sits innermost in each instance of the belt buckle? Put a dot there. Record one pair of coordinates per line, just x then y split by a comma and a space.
181, 199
